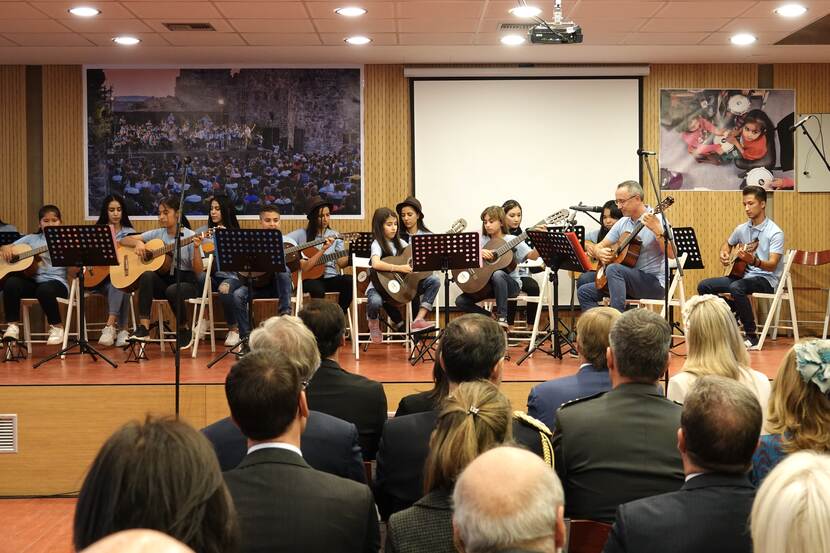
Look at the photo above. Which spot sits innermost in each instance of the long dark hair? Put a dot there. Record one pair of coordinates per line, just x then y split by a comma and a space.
402, 234
171, 202
104, 218
41, 213
227, 210
313, 227
507, 206
162, 475
441, 386
378, 220
615, 212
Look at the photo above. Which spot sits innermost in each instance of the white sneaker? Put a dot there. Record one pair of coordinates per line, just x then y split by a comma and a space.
12, 332
107, 336
55, 336
203, 329
232, 338
121, 340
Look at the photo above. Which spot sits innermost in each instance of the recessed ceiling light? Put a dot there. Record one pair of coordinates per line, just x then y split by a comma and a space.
512, 40
790, 10
525, 11
742, 39
350, 11
358, 40
84, 11
126, 40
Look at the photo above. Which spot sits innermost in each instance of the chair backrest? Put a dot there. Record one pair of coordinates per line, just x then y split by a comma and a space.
802, 257
586, 536
789, 257
208, 287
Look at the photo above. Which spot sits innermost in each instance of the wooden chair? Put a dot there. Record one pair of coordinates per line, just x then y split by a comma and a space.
586, 536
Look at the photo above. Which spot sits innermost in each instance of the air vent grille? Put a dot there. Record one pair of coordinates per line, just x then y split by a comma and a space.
189, 27
8, 433
516, 26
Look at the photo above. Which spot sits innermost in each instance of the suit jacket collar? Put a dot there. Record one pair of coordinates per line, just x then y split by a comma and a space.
272, 456
637, 388
329, 365
436, 499
714, 479
589, 368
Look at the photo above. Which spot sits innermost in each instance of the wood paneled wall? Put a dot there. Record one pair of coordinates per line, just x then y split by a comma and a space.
13, 145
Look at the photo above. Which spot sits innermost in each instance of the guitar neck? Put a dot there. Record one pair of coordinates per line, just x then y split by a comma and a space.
32, 253
329, 257
169, 247
293, 249
516, 240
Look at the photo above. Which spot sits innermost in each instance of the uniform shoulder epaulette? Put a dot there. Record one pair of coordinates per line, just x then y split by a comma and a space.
544, 434
581, 399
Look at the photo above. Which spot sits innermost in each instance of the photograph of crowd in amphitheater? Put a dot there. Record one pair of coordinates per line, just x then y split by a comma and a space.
259, 136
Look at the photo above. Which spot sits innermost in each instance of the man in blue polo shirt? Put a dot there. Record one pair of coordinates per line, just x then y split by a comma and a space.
764, 265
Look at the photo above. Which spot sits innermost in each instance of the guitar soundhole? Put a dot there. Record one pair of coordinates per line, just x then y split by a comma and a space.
463, 277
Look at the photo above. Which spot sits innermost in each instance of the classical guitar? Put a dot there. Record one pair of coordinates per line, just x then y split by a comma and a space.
736, 267
627, 250
475, 282
401, 288
158, 257
316, 271
23, 260
95, 276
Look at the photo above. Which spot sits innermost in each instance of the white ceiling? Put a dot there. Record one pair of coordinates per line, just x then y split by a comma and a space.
403, 31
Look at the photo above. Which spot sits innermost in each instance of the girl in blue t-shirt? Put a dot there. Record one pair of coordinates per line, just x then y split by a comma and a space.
47, 284
114, 213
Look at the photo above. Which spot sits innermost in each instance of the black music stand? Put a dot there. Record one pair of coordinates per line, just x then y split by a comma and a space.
361, 245
559, 251
686, 242
10, 354
80, 246
442, 252
247, 251
7, 238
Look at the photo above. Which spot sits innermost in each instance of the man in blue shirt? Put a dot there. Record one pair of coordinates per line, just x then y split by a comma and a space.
764, 265
646, 279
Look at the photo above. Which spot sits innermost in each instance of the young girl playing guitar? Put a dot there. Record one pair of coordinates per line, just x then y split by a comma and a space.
513, 215
610, 215
411, 218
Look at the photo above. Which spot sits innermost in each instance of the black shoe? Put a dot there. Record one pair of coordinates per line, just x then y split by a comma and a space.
140, 334
184, 337
751, 340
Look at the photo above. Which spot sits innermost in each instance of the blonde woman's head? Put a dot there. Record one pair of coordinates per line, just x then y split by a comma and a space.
714, 342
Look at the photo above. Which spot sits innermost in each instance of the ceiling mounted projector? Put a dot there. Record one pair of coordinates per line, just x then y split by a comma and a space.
558, 31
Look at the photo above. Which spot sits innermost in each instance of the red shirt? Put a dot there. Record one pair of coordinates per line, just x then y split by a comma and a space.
755, 149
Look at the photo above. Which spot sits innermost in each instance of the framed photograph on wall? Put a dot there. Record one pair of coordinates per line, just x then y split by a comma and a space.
260, 136
726, 139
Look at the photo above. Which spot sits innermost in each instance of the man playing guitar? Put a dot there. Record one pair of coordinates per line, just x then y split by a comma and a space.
646, 278
764, 266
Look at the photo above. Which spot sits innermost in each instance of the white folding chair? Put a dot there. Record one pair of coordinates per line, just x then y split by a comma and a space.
783, 292
200, 304
360, 281
677, 290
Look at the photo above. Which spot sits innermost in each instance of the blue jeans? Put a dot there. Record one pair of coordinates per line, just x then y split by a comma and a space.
504, 287
427, 291
623, 282
116, 305
739, 288
280, 287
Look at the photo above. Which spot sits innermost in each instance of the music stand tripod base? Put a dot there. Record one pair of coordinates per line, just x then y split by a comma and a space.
13, 350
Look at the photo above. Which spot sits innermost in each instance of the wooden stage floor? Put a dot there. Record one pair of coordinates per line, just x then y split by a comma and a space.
384, 363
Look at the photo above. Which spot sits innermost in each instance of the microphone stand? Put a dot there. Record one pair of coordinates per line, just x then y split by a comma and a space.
668, 239
177, 354
813, 142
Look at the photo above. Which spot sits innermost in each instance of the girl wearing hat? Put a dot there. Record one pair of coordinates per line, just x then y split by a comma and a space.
319, 219
411, 218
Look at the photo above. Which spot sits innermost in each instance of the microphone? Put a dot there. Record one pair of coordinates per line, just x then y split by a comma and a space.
642, 152
800, 123
587, 208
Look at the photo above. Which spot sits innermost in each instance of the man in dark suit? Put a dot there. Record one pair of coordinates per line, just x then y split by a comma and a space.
620, 445
592, 330
472, 348
718, 434
328, 443
333, 390
282, 503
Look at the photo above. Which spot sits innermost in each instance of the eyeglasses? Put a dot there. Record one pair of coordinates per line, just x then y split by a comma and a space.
621, 203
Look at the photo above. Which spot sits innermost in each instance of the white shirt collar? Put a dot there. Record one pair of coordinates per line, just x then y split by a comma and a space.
275, 445
690, 476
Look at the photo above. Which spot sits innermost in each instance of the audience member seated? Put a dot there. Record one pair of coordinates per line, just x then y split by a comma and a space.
473, 348
138, 541
592, 330
718, 432
474, 419
621, 445
429, 399
334, 390
799, 409
792, 506
283, 504
160, 475
715, 347
507, 500
329, 444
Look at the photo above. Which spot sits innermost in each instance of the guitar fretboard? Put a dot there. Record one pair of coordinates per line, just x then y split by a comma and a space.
31, 253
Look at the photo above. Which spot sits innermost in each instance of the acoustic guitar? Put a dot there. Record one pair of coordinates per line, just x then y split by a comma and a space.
402, 288
736, 267
476, 281
627, 250
23, 260
158, 257
316, 271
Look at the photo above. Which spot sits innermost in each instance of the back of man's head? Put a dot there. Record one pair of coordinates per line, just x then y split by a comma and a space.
289, 335
592, 331
508, 498
263, 390
721, 422
640, 341
327, 322
471, 347
138, 541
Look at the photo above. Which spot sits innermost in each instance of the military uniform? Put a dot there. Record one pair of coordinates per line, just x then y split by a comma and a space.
616, 446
